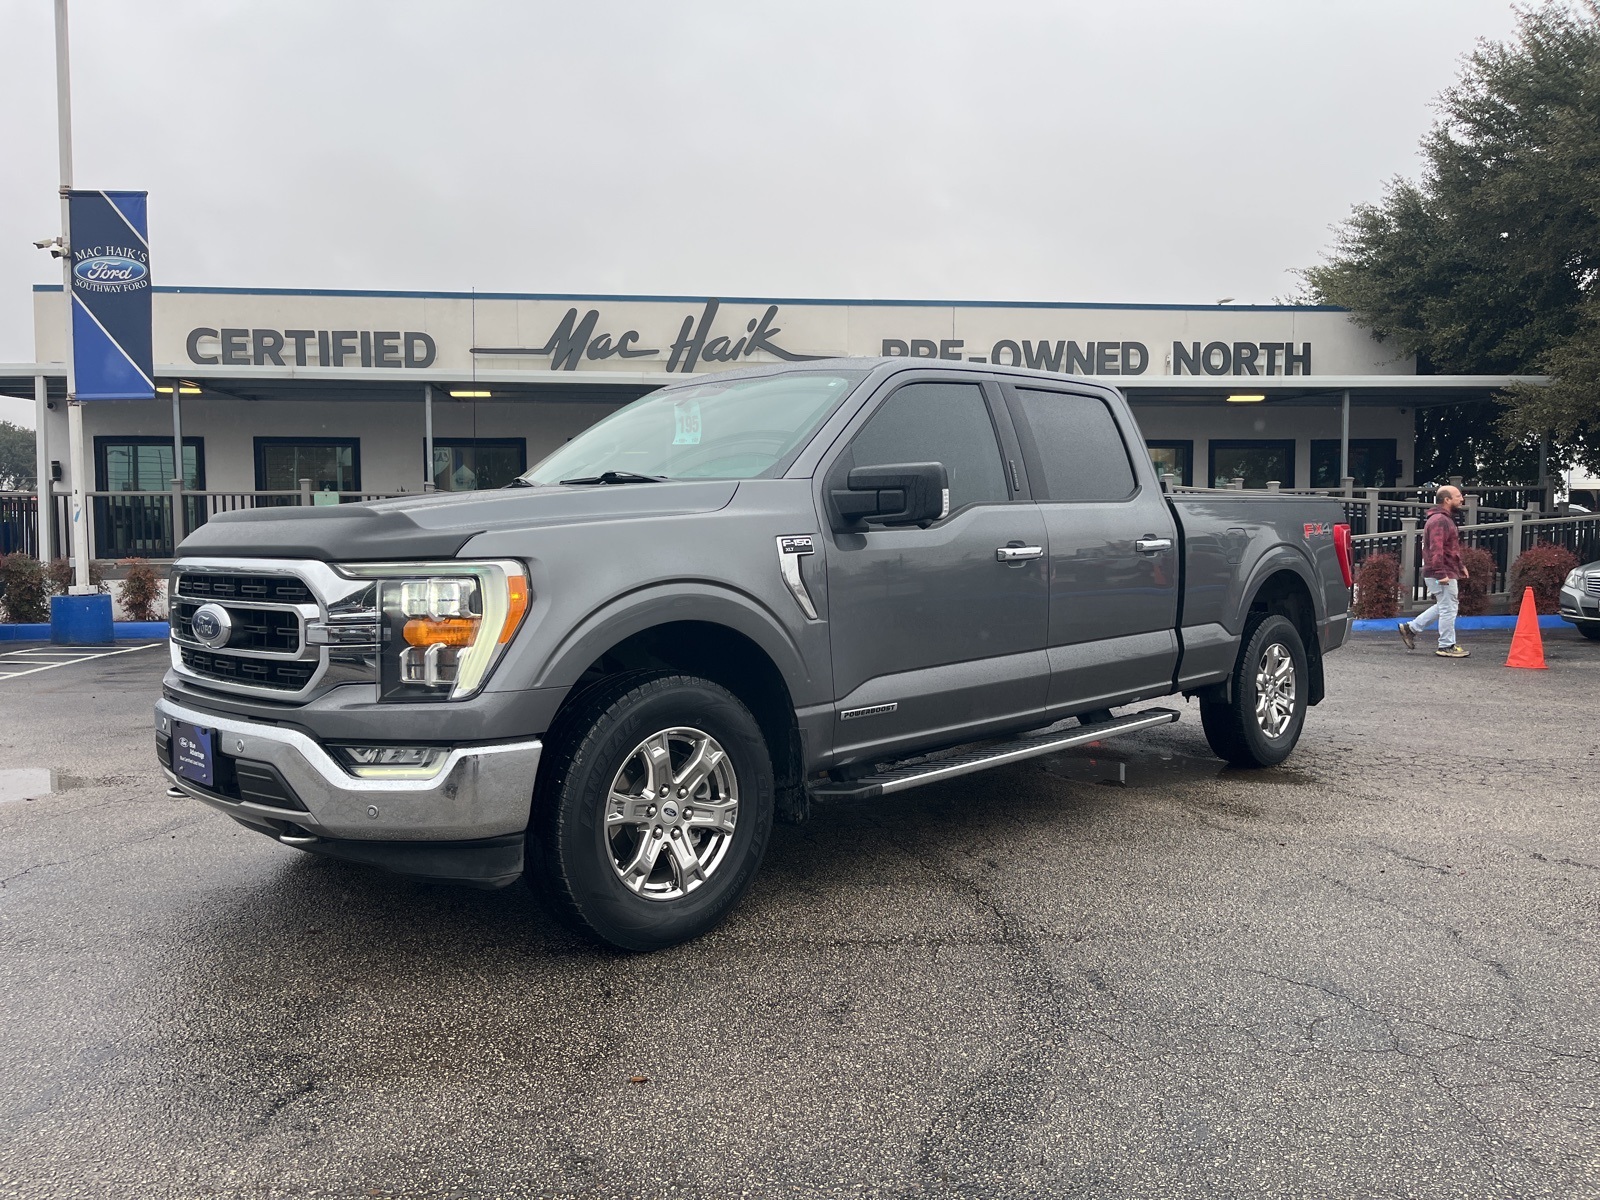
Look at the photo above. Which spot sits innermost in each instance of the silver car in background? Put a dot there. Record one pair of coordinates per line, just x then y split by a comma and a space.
1580, 600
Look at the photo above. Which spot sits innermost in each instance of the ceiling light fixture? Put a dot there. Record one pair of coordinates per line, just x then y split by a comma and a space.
186, 389
470, 395
1242, 398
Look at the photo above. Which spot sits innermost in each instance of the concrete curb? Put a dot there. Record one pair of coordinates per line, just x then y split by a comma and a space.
1508, 621
123, 631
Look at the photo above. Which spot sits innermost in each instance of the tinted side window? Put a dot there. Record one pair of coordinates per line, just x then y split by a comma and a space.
1079, 447
938, 422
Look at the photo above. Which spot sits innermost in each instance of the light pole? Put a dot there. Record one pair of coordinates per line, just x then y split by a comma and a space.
75, 455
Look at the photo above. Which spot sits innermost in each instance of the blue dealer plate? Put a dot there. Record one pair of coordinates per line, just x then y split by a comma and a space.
194, 754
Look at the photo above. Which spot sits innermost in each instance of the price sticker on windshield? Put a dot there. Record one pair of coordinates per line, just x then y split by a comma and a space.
686, 413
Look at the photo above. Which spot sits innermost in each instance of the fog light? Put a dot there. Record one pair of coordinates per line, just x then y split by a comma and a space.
392, 762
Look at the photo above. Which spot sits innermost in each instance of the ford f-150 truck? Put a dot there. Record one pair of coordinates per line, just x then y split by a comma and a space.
734, 597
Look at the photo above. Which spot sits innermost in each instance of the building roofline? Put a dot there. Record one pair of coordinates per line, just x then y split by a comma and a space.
701, 299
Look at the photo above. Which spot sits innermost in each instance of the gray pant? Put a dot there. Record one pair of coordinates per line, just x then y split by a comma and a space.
1445, 603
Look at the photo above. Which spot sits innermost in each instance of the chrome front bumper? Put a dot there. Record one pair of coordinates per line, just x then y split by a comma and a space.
479, 792
1579, 605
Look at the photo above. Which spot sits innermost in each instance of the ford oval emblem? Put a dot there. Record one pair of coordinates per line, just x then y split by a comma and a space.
110, 268
211, 625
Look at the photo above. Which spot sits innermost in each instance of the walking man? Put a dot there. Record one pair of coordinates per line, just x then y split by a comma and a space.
1441, 572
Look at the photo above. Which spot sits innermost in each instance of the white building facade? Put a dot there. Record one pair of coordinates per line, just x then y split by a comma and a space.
382, 393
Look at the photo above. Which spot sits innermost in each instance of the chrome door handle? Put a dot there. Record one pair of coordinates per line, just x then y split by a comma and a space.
1010, 554
1152, 545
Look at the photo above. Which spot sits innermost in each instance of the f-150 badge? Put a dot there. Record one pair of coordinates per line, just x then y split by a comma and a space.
790, 548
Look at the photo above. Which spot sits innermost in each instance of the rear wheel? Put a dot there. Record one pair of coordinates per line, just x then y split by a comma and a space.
653, 811
1261, 724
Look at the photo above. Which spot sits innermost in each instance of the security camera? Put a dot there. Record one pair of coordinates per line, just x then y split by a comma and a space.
55, 245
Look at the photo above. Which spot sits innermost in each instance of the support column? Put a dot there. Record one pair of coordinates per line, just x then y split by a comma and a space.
45, 535
1344, 436
179, 478
427, 437
1544, 472
80, 500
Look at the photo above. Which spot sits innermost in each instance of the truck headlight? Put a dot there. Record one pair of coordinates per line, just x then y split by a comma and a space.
443, 626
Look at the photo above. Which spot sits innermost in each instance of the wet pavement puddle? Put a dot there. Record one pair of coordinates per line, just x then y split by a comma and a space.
26, 783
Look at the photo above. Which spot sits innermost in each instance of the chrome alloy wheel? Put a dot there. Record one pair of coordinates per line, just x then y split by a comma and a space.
671, 813
1275, 690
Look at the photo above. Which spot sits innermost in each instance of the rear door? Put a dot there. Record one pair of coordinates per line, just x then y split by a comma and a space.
1112, 543
934, 639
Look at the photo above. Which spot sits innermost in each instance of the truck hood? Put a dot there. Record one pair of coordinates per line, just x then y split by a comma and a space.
437, 525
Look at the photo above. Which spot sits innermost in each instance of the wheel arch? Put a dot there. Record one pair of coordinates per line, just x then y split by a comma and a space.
1282, 587
729, 640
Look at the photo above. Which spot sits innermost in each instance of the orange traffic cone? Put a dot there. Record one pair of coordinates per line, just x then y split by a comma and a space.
1527, 647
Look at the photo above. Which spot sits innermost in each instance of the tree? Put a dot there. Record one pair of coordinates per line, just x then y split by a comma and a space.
1488, 263
17, 464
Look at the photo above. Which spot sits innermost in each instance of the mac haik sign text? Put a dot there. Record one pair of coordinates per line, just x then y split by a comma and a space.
250, 331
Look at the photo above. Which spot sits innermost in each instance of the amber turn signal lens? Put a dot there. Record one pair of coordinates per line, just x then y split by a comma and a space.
448, 631
516, 606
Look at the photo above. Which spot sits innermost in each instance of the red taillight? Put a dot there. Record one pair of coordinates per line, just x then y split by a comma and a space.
1341, 543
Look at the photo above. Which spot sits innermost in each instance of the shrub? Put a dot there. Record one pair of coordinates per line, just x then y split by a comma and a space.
1474, 590
24, 589
1542, 567
61, 580
141, 590
1378, 587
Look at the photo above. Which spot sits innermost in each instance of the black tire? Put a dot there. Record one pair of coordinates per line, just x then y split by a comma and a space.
1590, 630
574, 856
1233, 728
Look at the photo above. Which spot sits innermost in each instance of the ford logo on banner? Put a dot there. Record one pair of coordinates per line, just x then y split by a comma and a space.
111, 288
110, 269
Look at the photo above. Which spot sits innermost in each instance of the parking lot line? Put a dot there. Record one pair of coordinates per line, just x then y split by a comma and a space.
13, 659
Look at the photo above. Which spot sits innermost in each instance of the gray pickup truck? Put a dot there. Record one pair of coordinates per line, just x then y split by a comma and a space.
734, 597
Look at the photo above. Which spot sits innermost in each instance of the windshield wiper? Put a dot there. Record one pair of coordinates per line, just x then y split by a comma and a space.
607, 477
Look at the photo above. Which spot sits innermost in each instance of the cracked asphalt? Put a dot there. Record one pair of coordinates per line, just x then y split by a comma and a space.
1373, 972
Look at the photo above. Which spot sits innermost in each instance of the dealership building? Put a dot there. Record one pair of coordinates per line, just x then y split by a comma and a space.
284, 396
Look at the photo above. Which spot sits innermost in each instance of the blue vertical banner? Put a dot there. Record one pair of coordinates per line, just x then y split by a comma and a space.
111, 355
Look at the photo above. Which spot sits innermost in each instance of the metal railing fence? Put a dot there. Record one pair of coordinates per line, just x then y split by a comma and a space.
1504, 542
127, 524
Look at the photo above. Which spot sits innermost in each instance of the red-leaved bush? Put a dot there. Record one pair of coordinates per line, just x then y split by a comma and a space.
1377, 587
1542, 567
141, 590
1474, 589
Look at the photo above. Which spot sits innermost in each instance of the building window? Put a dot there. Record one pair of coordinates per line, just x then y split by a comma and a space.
331, 464
473, 464
128, 524
1173, 458
1258, 462
1372, 463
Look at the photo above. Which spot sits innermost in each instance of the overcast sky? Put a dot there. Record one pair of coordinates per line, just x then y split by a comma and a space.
1117, 150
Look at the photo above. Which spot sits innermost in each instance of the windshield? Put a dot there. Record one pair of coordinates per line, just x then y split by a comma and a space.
728, 429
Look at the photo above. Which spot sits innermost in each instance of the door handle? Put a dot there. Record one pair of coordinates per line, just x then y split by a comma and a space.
1152, 545
1011, 554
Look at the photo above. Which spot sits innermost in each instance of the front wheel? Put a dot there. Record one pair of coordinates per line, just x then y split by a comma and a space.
1590, 630
653, 812
1261, 724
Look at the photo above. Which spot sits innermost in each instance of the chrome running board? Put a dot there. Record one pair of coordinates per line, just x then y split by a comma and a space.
900, 779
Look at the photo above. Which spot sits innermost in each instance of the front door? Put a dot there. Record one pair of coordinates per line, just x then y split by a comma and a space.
936, 641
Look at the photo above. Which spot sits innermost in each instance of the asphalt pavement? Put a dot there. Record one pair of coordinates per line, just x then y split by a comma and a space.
1373, 972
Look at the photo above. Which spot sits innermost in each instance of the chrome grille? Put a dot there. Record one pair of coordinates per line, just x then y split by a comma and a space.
295, 627
1591, 583
271, 589
258, 672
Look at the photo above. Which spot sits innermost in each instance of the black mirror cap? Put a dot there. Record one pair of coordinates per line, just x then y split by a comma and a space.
894, 494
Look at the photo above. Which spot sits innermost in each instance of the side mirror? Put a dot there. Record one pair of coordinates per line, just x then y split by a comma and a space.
898, 494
